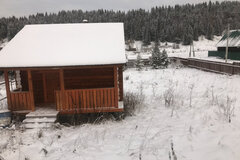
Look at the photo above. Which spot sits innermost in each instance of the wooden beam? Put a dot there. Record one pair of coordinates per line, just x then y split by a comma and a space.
7, 89
44, 87
61, 78
62, 67
62, 87
116, 85
93, 110
30, 87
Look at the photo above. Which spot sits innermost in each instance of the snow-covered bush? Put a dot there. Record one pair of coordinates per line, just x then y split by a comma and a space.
226, 108
172, 155
168, 96
190, 94
132, 101
139, 62
173, 97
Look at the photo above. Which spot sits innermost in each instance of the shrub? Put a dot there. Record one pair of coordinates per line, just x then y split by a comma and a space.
132, 101
139, 63
169, 97
226, 108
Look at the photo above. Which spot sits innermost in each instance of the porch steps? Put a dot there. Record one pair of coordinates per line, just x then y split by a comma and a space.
41, 118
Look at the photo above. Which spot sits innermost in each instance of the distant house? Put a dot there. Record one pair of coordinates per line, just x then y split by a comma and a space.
233, 46
73, 68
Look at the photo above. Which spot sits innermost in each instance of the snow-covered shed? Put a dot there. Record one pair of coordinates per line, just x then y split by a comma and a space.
71, 67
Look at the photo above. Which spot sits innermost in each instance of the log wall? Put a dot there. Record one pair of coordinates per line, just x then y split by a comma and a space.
88, 78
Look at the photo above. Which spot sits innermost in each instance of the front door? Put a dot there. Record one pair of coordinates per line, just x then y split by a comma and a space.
50, 85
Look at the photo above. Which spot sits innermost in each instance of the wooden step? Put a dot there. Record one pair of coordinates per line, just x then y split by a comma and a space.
41, 116
37, 125
37, 114
40, 120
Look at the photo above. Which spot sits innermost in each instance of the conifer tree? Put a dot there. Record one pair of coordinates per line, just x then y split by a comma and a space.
164, 59
159, 59
155, 59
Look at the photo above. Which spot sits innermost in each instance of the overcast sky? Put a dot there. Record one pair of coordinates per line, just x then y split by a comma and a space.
26, 7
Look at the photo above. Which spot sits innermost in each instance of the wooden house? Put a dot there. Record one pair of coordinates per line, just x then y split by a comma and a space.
233, 46
73, 68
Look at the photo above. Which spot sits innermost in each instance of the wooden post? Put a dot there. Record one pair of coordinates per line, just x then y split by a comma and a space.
30, 87
226, 54
116, 86
7, 89
62, 87
44, 87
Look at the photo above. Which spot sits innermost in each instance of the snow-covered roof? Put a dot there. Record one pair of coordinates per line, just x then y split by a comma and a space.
234, 39
76, 44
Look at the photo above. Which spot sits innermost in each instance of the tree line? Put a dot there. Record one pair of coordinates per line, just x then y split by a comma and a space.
179, 23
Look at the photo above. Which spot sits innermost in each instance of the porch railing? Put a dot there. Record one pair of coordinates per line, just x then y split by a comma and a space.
85, 99
21, 101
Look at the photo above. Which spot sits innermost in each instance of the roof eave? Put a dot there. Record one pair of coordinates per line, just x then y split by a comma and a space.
60, 67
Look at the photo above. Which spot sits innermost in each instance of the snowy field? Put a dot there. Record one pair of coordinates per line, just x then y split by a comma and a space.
195, 123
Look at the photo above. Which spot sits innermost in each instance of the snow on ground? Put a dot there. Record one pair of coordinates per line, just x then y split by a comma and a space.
201, 49
197, 131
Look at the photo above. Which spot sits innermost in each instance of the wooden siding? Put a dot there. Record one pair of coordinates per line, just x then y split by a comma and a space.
120, 81
88, 78
21, 101
85, 100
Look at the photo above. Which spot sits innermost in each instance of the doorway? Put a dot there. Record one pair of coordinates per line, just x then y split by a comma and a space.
45, 83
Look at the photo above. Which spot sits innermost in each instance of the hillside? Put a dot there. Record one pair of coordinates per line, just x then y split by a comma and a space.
179, 23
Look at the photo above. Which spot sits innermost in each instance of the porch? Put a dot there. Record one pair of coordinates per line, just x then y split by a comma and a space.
68, 90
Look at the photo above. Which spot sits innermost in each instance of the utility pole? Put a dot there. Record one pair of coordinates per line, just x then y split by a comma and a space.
190, 51
226, 55
193, 49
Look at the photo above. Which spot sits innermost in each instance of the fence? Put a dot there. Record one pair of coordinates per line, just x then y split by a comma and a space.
212, 66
